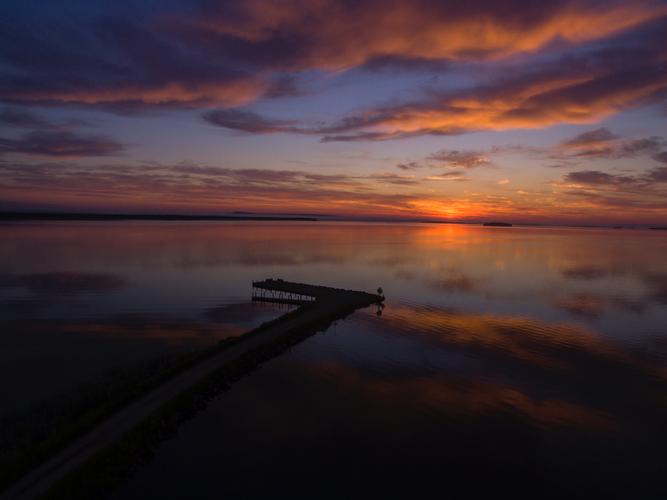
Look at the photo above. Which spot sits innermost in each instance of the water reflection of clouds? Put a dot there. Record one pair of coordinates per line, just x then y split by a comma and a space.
26, 295
658, 285
591, 276
448, 279
631, 290
583, 275
244, 312
434, 426
64, 282
564, 361
582, 305
585, 272
43, 357
455, 397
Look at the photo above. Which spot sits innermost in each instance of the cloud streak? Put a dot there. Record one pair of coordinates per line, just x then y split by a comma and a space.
602, 143
607, 193
595, 177
20, 118
330, 35
247, 121
460, 159
572, 89
203, 188
531, 101
60, 143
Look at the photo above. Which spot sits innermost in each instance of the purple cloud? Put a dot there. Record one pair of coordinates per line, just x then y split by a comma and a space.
460, 159
594, 177
16, 117
602, 143
60, 143
247, 121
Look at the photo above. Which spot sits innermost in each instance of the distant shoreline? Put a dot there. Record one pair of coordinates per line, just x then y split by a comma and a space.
254, 216
64, 216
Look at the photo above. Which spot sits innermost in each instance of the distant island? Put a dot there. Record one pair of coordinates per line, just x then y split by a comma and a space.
497, 224
661, 228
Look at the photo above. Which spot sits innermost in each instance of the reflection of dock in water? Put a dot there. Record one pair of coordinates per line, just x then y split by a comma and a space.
182, 393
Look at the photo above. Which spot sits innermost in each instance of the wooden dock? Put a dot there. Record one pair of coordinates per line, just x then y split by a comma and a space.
288, 292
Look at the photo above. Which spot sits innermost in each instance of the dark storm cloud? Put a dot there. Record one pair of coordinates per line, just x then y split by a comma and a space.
60, 144
661, 157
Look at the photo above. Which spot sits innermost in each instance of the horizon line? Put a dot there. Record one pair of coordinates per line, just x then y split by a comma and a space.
42, 215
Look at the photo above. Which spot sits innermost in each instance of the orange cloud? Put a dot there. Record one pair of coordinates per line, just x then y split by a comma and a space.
232, 93
533, 103
232, 53
336, 36
602, 143
207, 189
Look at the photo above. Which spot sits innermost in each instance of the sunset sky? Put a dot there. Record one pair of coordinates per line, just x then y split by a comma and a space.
551, 111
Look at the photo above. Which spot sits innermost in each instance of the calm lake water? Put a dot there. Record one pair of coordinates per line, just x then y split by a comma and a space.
524, 360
